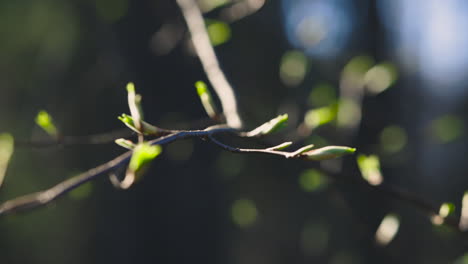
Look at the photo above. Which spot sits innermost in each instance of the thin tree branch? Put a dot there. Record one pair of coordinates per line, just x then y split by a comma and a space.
34, 200
201, 41
41, 198
385, 189
285, 154
96, 139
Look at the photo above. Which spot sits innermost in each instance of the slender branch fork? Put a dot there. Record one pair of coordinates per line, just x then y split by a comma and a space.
45, 197
194, 20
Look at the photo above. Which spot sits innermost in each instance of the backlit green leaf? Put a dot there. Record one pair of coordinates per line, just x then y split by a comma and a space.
281, 146
134, 104
125, 143
142, 155
206, 98
270, 126
146, 128
329, 152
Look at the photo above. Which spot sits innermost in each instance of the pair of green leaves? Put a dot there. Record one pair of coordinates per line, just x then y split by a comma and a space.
143, 152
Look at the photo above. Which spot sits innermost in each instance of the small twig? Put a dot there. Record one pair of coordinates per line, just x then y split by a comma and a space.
97, 139
285, 154
386, 189
34, 200
201, 41
42, 198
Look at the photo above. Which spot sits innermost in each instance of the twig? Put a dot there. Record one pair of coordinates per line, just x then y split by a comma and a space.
201, 41
97, 139
34, 200
269, 151
42, 198
384, 189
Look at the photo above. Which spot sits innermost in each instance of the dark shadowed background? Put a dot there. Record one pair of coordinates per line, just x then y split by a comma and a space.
199, 204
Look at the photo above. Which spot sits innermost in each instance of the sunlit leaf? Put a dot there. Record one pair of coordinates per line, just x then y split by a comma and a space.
206, 98
134, 104
329, 152
128, 144
370, 169
281, 146
269, 127
142, 155
6, 151
147, 128
387, 230
45, 121
302, 150
244, 213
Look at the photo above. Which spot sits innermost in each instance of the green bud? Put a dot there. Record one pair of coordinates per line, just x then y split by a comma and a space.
329, 152
269, 127
206, 98
125, 143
